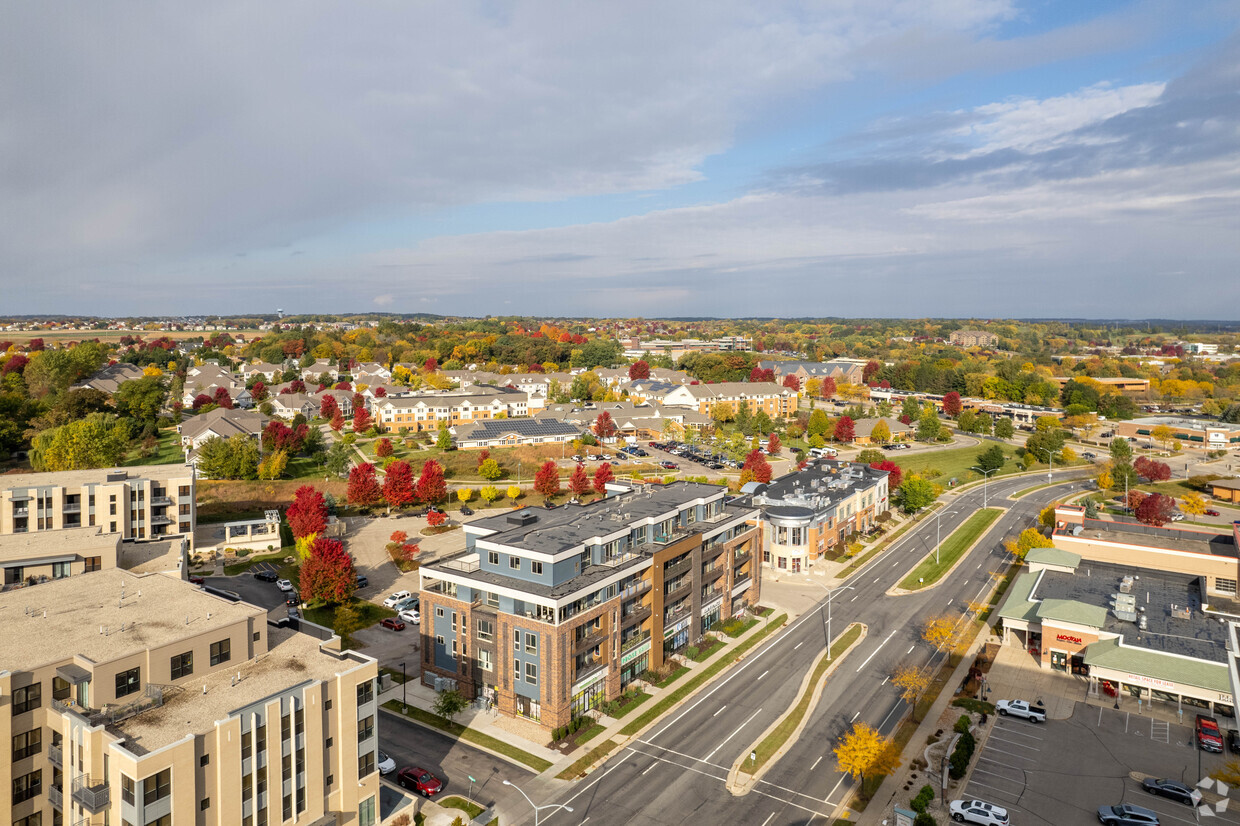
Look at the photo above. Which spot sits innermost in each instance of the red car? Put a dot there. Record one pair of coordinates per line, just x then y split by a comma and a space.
196, 580
1211, 512
1209, 738
420, 781
393, 623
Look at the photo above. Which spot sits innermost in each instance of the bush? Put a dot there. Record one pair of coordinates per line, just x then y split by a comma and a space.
924, 819
923, 798
961, 756
962, 725
692, 652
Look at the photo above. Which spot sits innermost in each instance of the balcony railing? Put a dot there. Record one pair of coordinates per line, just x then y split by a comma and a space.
56, 797
72, 507
679, 568
92, 793
588, 667
466, 563
671, 594
589, 640
713, 574
741, 556
634, 641
676, 613
741, 582
55, 756
639, 588
636, 615
710, 593
161, 501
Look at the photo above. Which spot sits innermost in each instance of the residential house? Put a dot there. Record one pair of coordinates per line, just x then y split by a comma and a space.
222, 423
110, 378
974, 338
863, 428
320, 368
487, 433
268, 373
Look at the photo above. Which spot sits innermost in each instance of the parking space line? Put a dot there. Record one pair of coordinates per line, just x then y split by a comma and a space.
1016, 730
973, 782
983, 758
1001, 776
1017, 745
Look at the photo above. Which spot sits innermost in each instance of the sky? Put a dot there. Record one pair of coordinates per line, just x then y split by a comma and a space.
875, 158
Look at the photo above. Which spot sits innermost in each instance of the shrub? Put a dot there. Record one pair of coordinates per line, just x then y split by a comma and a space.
923, 798
924, 819
692, 652
962, 725
961, 755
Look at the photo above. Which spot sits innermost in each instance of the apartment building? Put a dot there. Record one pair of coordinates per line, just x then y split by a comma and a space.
842, 370
549, 612
146, 700
56, 525
429, 411
775, 400
974, 338
807, 513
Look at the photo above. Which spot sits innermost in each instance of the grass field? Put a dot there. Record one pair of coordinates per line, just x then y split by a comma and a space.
955, 463
167, 452
930, 570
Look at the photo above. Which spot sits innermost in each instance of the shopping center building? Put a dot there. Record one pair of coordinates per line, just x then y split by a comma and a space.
1142, 613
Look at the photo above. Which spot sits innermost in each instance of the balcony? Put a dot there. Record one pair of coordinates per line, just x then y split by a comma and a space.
636, 615
21, 512
741, 556
161, 500
677, 613
741, 584
589, 640
711, 593
72, 507
588, 666
635, 590
672, 571
712, 574
465, 563
56, 797
55, 756
92, 793
161, 519
634, 641
673, 594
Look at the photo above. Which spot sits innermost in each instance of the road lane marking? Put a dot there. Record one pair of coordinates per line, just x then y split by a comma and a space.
855, 716
733, 734
877, 578
798, 645
885, 679
588, 786
854, 597
833, 791
768, 819
764, 673
1011, 743
876, 650
816, 762
910, 649
1012, 728
950, 601
648, 768
720, 711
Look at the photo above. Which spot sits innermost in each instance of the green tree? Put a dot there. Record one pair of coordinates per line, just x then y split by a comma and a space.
915, 494
99, 440
236, 457
346, 622
992, 458
909, 408
1121, 450
444, 440
928, 424
141, 399
869, 456
1004, 428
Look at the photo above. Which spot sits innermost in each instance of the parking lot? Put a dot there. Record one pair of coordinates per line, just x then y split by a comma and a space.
1060, 772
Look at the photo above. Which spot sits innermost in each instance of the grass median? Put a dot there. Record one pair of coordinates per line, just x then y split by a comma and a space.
935, 565
459, 731
774, 741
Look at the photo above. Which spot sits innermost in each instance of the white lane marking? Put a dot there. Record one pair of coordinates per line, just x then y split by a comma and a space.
768, 819
816, 762
733, 734
1012, 728
950, 601
855, 716
1011, 743
885, 679
979, 564
798, 645
894, 709
833, 791
981, 760
764, 673
854, 597
876, 579
648, 768
720, 711
876, 650
589, 786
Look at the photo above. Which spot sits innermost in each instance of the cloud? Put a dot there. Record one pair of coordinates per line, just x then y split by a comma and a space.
384, 300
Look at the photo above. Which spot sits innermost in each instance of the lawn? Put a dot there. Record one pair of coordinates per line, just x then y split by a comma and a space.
468, 807
167, 452
459, 731
931, 570
674, 676
368, 614
776, 739
593, 756
225, 501
954, 463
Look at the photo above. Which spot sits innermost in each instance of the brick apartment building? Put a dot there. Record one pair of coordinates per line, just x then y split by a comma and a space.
548, 612
973, 338
146, 700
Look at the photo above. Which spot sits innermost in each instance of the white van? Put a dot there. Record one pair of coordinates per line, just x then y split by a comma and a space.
819, 452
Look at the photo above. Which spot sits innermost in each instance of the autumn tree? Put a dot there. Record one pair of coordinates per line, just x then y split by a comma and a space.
773, 445
514, 493
1155, 509
915, 493
463, 495
432, 488
337, 421
1162, 434
1194, 504
489, 494
940, 631
361, 419
222, 399
951, 404
328, 407
273, 465
792, 382
1104, 480
482, 456
863, 752
602, 475
398, 484
845, 430
881, 433
828, 387
547, 479
490, 470
604, 427
363, 488
912, 682
1152, 470
757, 468
98, 440
327, 575
1026, 541
307, 515
895, 474
639, 370
579, 482
383, 448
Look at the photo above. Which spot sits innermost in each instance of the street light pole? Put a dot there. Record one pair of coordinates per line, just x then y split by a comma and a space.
538, 809
1050, 460
830, 597
985, 482
403, 705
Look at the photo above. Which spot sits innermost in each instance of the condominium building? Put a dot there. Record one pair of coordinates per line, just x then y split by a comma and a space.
974, 338
58, 524
429, 411
549, 612
775, 400
807, 513
145, 700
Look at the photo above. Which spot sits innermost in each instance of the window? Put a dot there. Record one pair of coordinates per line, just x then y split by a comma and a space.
438, 611
182, 665
166, 820
28, 698
260, 739
493, 557
486, 630
286, 727
183, 510
536, 567
27, 743
204, 804
221, 652
439, 640
531, 673
1226, 586
112, 509
60, 570
492, 599
484, 659
366, 812
454, 621
365, 728
204, 760
516, 641
127, 789
183, 490
365, 764
127, 682
531, 644
94, 563
35, 819
514, 562
156, 787
365, 692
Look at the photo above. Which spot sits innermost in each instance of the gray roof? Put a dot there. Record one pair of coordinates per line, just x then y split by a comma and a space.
1193, 540
1053, 556
487, 429
820, 486
224, 422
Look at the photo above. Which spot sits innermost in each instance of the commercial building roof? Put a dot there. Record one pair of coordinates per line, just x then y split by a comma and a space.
1119, 656
1019, 604
487, 429
1053, 556
1209, 542
1068, 610
98, 476
1180, 422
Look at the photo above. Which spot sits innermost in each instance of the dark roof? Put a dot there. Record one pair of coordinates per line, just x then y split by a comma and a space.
819, 486
495, 428
1197, 541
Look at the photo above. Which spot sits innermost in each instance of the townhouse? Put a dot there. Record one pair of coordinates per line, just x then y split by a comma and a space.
220, 423
850, 371
641, 421
776, 401
320, 370
110, 378
183, 707
264, 371
428, 411
549, 612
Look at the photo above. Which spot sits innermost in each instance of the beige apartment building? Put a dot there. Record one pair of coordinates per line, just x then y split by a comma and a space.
54, 525
146, 701
429, 411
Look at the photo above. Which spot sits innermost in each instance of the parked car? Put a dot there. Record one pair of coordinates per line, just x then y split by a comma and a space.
386, 764
362, 581
265, 576
284, 585
420, 781
392, 623
196, 580
395, 598
466, 510
1126, 814
1233, 741
1209, 738
978, 811
1173, 790
1088, 455
669, 465
292, 598
406, 604
1177, 516
411, 616
1021, 708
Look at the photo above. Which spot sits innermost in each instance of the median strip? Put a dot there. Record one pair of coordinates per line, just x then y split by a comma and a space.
952, 550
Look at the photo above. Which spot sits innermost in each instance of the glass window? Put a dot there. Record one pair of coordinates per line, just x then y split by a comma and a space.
531, 643
366, 812
28, 698
183, 665
156, 787
128, 789
221, 652
128, 682
484, 659
365, 728
531, 673
493, 557
27, 743
486, 630
514, 562
27, 786
365, 764
365, 692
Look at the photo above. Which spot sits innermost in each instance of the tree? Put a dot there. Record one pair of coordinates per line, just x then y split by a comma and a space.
928, 424
992, 458
513, 493
1121, 450
940, 631
1194, 504
141, 399
436, 518
327, 575
1162, 434
1104, 480
1027, 540
259, 392
579, 481
307, 515
828, 387
1155, 509
463, 495
363, 488
383, 448
489, 494
490, 470
818, 423
273, 465
895, 473
328, 407
880, 433
337, 421
639, 370
361, 419
236, 457
912, 682
432, 487
547, 479
450, 703
483, 455
604, 427
845, 430
346, 621
98, 440
602, 475
792, 382
915, 494
773, 445
864, 751
221, 398
1152, 470
444, 440
1091, 508
398, 484
757, 466
951, 404
1004, 428
870, 455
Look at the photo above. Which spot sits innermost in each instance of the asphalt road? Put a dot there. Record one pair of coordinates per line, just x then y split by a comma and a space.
675, 774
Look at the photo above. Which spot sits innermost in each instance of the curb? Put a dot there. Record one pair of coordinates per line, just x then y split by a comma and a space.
900, 592
739, 788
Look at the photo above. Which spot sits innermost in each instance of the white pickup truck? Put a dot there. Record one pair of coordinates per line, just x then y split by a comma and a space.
1021, 708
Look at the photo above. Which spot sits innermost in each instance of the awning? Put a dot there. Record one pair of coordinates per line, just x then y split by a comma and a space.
73, 674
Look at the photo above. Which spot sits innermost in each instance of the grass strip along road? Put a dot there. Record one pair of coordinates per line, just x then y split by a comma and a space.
931, 570
464, 733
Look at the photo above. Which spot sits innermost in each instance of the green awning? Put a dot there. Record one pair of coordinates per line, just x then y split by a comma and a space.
1159, 666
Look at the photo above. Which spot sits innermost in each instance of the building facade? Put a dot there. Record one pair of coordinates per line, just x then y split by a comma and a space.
1205, 433
974, 338
549, 612
429, 411
221, 718
776, 401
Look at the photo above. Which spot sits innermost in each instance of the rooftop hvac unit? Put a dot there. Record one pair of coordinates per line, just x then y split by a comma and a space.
1125, 585
1125, 616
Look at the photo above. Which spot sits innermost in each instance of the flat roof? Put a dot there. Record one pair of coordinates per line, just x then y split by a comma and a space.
97, 476
1183, 422
65, 542
292, 658
55, 621
1053, 556
1208, 542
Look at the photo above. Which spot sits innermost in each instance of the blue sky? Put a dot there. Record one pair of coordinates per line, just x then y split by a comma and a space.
882, 157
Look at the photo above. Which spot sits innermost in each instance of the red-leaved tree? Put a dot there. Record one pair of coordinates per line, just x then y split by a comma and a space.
547, 479
327, 575
773, 445
894, 472
757, 465
361, 419
432, 487
258, 392
952, 405
398, 484
828, 387
358, 401
222, 398
342, 385
871, 367
1155, 509
604, 427
579, 482
483, 455
602, 476
364, 486
639, 370
757, 374
792, 382
308, 513
328, 407
431, 365
1151, 469
201, 401
337, 421
845, 430
436, 518
383, 448
380, 392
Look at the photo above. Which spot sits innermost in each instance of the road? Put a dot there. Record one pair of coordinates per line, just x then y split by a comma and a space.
675, 774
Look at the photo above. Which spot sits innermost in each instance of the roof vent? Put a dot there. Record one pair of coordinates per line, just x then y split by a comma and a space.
117, 475
522, 518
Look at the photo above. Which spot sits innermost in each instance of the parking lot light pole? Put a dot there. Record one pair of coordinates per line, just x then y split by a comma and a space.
985, 482
538, 809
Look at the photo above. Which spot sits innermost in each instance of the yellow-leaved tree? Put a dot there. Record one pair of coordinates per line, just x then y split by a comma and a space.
912, 682
1027, 540
1194, 504
863, 752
